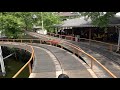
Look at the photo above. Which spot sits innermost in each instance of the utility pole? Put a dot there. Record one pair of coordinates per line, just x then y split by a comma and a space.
118, 39
42, 20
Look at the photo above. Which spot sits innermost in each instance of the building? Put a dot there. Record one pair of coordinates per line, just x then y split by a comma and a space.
38, 29
84, 28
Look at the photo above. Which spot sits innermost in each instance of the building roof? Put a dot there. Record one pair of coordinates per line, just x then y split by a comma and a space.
82, 22
68, 14
76, 22
114, 21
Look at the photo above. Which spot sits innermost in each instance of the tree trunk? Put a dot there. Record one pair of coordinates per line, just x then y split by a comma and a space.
118, 40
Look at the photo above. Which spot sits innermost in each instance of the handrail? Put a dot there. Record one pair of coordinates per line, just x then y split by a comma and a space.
89, 39
100, 64
110, 44
92, 58
25, 64
69, 44
99, 41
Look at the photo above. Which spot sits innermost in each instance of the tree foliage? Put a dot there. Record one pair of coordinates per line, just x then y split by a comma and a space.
100, 19
13, 23
49, 19
11, 26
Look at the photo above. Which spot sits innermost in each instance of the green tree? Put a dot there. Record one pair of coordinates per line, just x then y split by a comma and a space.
12, 23
11, 26
26, 18
100, 19
48, 18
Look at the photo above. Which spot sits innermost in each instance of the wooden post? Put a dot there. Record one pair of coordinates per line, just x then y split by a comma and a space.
56, 30
15, 56
21, 40
110, 47
40, 41
33, 56
30, 68
91, 64
30, 41
73, 51
59, 36
71, 38
77, 53
90, 36
60, 31
65, 37
61, 46
50, 43
72, 32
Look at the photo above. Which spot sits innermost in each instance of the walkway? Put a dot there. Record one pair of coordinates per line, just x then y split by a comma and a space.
46, 60
51, 61
110, 60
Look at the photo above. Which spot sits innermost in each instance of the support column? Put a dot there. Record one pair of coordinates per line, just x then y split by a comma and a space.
2, 63
118, 40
